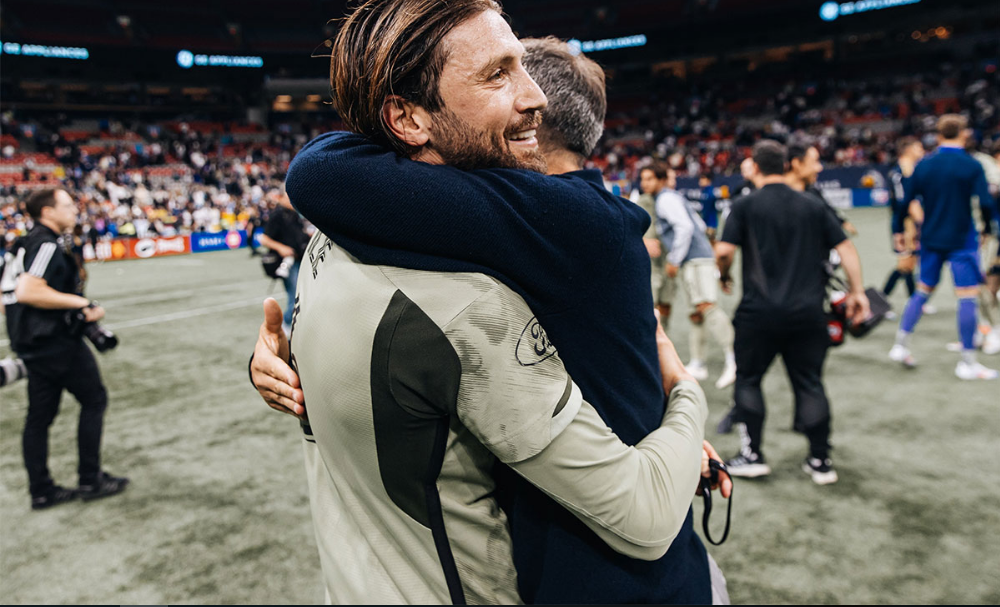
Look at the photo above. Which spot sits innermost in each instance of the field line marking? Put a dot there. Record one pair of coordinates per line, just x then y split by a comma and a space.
113, 302
152, 320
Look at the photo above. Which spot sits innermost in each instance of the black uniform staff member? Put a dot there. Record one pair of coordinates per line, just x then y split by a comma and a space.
40, 285
785, 236
285, 234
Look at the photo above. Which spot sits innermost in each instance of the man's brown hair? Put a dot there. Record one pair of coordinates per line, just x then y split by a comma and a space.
39, 200
574, 86
903, 145
392, 47
950, 126
659, 169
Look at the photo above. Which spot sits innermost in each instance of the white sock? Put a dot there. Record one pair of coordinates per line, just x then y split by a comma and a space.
969, 357
903, 338
721, 328
697, 342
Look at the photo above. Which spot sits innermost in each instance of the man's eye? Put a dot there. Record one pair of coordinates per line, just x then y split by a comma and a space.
497, 75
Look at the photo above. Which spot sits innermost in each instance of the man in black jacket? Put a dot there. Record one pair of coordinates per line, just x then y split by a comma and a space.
285, 234
41, 286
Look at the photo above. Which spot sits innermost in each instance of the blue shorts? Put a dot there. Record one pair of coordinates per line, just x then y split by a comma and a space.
964, 267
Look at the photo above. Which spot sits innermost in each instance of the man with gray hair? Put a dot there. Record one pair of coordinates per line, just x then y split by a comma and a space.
574, 118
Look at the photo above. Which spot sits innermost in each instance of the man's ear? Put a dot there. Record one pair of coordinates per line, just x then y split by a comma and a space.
409, 122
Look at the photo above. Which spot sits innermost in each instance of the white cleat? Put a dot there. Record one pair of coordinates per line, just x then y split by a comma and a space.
991, 345
901, 354
727, 378
697, 371
929, 309
967, 371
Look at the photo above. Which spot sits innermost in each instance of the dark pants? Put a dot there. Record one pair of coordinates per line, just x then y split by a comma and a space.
802, 345
74, 370
250, 232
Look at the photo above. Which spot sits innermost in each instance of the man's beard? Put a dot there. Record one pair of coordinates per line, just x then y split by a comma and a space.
462, 146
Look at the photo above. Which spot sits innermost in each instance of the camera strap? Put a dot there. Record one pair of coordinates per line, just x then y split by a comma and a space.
706, 492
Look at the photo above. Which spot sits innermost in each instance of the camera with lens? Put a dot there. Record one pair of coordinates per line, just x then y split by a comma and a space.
103, 339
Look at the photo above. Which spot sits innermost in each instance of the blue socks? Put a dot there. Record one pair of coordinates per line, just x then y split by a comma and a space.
967, 322
914, 310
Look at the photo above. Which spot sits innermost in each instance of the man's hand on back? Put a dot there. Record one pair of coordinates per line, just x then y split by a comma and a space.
653, 247
671, 367
276, 382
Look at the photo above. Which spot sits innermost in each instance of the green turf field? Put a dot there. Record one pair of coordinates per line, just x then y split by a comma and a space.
218, 512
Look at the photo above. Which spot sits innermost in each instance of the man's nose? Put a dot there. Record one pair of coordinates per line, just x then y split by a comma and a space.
530, 96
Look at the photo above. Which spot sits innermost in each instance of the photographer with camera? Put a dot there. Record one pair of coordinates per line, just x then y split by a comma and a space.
46, 320
285, 236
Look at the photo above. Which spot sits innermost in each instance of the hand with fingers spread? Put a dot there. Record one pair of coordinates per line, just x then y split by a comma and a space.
270, 372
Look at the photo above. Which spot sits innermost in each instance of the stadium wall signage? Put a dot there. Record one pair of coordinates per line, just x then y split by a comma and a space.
48, 52
138, 248
829, 11
202, 242
145, 248
590, 46
186, 59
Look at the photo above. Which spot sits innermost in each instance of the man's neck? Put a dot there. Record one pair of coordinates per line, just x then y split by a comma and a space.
771, 180
428, 155
562, 161
795, 183
51, 225
951, 143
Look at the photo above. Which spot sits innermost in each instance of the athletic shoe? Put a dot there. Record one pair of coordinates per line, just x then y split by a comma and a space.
929, 309
901, 354
748, 467
105, 486
697, 371
991, 345
971, 371
56, 495
890, 315
821, 470
727, 378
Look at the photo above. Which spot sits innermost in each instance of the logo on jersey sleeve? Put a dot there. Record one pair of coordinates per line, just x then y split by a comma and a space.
533, 346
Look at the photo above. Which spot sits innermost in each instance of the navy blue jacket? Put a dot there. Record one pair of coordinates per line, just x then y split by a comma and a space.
575, 253
945, 181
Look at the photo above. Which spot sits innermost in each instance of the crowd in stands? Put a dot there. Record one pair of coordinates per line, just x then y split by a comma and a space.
133, 179
707, 126
145, 178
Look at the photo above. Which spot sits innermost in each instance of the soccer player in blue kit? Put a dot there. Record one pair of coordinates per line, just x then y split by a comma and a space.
945, 182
